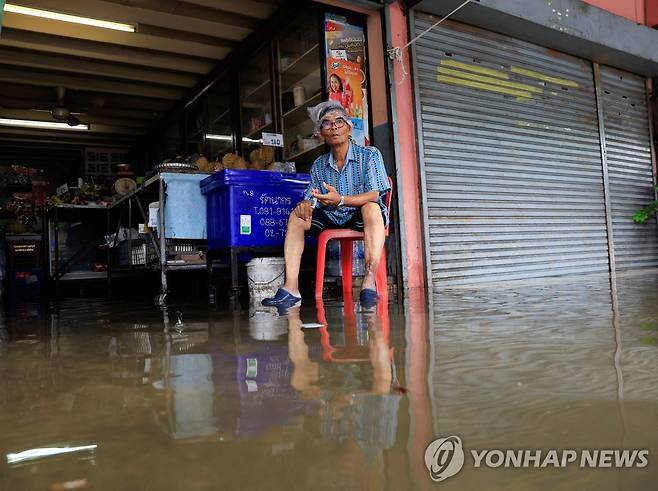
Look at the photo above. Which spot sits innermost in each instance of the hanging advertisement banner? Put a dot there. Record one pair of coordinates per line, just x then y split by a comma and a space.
345, 48
2, 9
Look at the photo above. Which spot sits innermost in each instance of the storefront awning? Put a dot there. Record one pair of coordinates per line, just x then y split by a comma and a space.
569, 26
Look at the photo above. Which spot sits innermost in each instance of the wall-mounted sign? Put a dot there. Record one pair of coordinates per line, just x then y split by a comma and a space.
2, 9
345, 46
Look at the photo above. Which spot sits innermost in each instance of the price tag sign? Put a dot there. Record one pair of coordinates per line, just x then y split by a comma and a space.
273, 139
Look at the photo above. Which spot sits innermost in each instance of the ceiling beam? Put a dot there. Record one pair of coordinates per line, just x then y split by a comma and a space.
45, 140
52, 151
37, 147
83, 48
92, 134
13, 95
251, 8
162, 13
27, 159
81, 82
147, 118
17, 153
190, 10
43, 61
126, 39
194, 37
79, 137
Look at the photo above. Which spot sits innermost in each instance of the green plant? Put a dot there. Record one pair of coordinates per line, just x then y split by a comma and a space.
643, 214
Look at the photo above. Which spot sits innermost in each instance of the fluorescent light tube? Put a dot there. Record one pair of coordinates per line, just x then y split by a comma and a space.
47, 14
47, 125
224, 138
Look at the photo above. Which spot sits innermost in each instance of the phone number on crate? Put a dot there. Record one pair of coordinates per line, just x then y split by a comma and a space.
270, 211
271, 233
273, 222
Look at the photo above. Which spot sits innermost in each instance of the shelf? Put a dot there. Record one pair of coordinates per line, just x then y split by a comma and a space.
184, 267
82, 207
308, 150
84, 275
303, 58
258, 89
298, 114
214, 121
256, 131
156, 267
306, 73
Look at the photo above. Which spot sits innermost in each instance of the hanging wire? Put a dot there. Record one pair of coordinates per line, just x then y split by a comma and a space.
395, 53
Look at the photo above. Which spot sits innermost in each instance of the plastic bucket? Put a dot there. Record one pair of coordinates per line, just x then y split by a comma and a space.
264, 325
265, 276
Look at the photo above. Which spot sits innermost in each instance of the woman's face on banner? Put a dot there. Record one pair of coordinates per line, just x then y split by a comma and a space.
334, 83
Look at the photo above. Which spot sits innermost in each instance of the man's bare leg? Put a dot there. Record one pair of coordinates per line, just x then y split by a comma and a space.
293, 249
373, 229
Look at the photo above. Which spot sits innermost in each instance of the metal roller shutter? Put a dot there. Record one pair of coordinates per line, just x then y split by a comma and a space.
511, 158
630, 173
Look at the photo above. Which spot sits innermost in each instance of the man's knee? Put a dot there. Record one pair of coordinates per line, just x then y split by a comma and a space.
296, 223
372, 213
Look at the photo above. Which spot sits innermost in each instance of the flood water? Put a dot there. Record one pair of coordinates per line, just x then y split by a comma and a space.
114, 395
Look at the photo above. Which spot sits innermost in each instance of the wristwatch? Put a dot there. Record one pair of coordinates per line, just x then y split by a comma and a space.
341, 202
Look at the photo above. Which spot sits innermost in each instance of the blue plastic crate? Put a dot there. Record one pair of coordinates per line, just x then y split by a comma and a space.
250, 207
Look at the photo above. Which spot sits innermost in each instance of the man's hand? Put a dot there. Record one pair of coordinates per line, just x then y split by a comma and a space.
304, 210
331, 198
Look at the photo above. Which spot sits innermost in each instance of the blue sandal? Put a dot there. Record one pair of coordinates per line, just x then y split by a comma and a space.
282, 298
368, 297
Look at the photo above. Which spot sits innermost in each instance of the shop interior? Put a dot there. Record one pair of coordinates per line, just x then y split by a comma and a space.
93, 118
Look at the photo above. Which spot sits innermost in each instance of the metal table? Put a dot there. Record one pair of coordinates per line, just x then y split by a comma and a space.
160, 245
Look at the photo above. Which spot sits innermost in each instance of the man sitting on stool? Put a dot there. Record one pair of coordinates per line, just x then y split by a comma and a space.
346, 189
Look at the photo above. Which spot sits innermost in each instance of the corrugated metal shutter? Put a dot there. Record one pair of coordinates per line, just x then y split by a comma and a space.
511, 158
630, 173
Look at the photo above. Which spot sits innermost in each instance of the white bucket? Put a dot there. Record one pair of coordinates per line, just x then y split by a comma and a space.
264, 324
265, 276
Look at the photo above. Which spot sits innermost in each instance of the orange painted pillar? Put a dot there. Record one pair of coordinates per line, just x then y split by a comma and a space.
407, 160
420, 407
652, 13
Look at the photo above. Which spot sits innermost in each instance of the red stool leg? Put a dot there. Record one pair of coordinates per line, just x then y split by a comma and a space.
381, 278
346, 265
319, 264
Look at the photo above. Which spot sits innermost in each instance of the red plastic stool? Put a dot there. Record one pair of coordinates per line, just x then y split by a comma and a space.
346, 236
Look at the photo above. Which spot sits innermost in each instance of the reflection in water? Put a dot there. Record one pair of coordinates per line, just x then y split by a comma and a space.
348, 412
248, 400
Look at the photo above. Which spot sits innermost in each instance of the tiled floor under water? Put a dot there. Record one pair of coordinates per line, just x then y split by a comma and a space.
120, 396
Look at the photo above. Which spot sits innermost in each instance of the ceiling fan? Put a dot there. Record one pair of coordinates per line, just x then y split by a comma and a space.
62, 113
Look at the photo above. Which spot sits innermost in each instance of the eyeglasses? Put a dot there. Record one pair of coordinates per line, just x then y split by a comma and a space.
328, 124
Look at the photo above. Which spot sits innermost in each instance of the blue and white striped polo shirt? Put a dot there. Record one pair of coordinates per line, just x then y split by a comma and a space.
363, 171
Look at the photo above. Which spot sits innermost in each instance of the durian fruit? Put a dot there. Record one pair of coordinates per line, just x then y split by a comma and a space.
204, 164
233, 161
217, 165
262, 157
